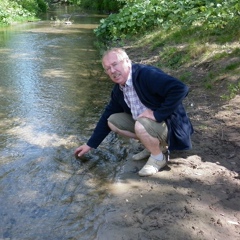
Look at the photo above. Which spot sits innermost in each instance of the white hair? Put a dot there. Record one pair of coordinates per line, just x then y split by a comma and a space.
119, 51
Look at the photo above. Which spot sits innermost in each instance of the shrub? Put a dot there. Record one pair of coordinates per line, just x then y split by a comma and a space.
102, 5
11, 11
138, 16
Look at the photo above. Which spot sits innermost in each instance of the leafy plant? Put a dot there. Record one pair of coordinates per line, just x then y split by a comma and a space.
100, 5
138, 16
11, 11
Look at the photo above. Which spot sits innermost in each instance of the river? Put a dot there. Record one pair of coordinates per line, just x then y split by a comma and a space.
53, 90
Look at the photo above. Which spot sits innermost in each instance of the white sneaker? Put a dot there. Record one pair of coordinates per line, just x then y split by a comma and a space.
152, 166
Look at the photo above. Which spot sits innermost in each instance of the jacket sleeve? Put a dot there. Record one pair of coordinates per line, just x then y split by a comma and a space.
115, 105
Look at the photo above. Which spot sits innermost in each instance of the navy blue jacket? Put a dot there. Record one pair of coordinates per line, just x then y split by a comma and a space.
161, 93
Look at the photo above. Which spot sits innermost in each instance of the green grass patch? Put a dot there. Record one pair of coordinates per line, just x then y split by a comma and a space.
232, 66
233, 90
186, 77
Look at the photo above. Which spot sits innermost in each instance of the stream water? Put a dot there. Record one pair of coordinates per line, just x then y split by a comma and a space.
52, 91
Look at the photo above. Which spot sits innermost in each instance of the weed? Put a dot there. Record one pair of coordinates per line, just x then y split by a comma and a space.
186, 77
233, 90
232, 66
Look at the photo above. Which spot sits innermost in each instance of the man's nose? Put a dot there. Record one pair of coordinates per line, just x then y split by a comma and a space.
112, 69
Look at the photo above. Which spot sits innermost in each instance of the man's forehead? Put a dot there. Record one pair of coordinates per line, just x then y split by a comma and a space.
113, 54
111, 57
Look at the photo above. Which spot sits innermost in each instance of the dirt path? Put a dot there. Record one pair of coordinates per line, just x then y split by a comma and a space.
197, 195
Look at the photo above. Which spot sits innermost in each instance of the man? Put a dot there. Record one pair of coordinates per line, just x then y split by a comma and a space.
145, 104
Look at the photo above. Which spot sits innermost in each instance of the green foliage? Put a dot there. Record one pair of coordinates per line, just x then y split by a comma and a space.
11, 11
42, 5
138, 16
102, 5
29, 5
232, 66
75, 2
33, 6
172, 58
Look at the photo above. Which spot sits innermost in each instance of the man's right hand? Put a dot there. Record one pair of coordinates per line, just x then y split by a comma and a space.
80, 151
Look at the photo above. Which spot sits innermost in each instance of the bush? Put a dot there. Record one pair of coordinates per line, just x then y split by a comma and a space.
138, 16
11, 11
102, 5
42, 5
34, 6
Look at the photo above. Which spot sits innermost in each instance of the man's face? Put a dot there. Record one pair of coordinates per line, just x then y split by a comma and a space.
117, 69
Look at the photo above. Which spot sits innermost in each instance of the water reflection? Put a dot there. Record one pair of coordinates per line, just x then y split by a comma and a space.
52, 91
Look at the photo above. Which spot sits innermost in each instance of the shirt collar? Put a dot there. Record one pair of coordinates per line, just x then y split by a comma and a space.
129, 80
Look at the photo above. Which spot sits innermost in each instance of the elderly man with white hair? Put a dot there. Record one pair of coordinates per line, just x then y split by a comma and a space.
146, 104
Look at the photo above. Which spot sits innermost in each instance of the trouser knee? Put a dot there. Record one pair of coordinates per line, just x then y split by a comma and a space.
153, 128
122, 121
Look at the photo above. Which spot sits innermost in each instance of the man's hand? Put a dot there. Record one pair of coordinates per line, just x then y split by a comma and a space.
148, 114
80, 151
